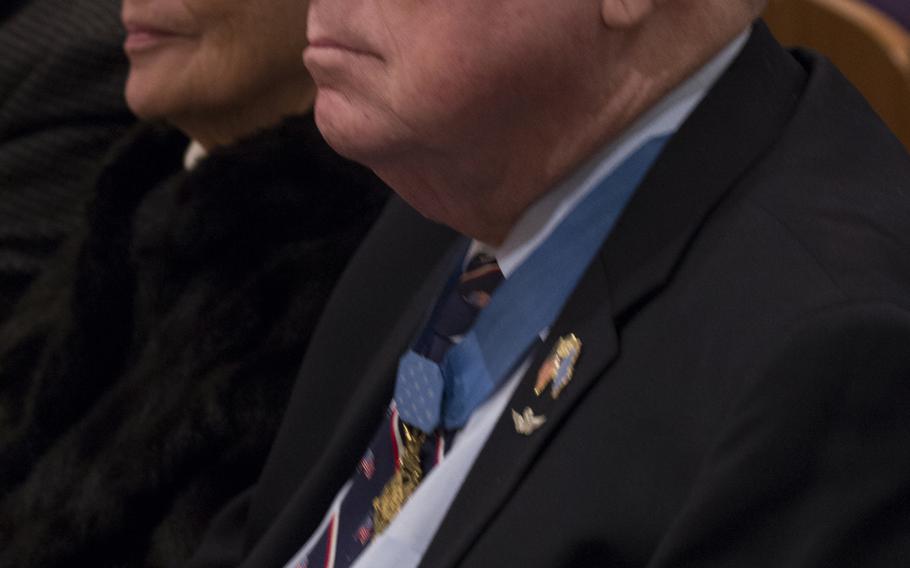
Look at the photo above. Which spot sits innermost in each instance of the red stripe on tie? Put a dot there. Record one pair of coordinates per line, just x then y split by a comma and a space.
330, 542
396, 438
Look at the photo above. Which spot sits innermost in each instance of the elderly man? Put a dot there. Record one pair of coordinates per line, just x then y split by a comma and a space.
697, 352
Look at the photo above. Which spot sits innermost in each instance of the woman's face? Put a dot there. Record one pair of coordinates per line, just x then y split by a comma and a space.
199, 62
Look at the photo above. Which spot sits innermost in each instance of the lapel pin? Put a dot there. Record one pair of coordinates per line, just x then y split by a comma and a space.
559, 366
527, 422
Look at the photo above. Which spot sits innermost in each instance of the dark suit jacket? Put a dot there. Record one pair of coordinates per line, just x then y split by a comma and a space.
743, 393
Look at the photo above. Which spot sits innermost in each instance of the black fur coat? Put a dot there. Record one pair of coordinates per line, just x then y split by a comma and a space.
136, 403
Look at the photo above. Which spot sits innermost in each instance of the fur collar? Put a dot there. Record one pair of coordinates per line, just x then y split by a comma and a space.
276, 186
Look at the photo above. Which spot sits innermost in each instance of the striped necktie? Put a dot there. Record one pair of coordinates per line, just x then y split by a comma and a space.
400, 455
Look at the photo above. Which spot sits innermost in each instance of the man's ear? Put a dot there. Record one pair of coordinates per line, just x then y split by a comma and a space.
624, 14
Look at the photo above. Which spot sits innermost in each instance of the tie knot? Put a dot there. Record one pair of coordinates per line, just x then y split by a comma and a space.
456, 311
478, 281
480, 260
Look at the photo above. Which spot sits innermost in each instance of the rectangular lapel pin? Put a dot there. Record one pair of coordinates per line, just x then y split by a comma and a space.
558, 368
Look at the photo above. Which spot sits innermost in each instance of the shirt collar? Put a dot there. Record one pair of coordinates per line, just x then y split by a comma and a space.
194, 154
666, 117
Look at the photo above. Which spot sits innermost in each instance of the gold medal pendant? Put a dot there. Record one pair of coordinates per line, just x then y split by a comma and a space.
404, 481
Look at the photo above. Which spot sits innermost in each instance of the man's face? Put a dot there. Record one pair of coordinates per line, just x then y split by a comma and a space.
421, 78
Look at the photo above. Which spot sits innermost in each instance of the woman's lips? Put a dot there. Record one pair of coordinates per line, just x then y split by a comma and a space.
143, 37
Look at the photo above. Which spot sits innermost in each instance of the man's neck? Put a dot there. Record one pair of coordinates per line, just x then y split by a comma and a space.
545, 214
483, 191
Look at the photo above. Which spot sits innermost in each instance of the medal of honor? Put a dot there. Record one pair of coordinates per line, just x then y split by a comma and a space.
559, 367
404, 481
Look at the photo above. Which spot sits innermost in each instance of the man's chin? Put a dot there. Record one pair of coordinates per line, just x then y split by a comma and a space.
347, 130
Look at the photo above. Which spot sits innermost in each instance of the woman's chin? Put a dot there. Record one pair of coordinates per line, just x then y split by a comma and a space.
156, 91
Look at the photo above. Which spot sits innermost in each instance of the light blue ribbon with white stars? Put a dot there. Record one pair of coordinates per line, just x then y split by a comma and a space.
428, 395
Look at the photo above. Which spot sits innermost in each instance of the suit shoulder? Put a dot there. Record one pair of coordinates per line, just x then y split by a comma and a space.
838, 182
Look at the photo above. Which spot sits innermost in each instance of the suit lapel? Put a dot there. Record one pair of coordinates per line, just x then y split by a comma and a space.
507, 455
726, 135
698, 167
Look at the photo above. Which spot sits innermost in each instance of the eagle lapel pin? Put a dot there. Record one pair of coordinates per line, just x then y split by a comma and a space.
527, 422
558, 369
